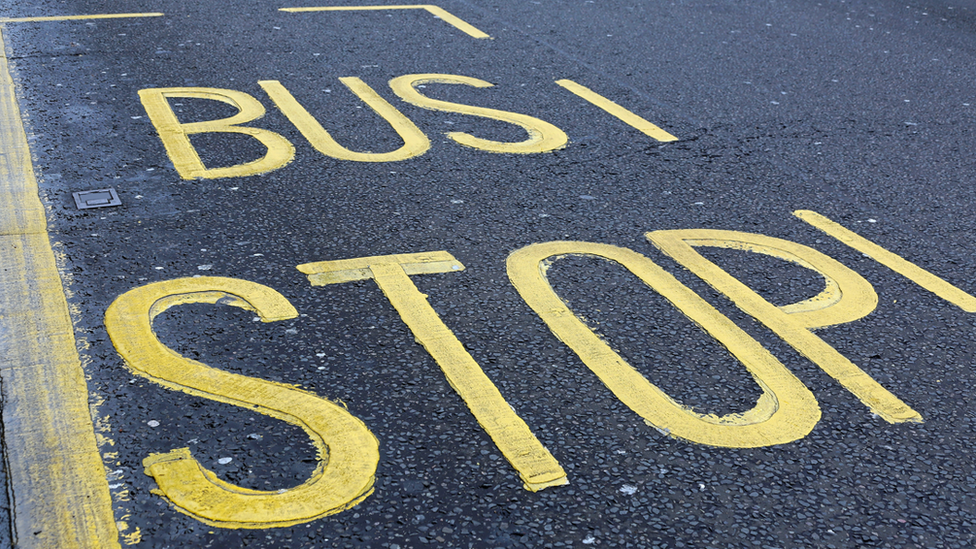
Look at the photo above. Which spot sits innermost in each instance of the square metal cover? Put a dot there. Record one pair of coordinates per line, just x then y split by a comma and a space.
99, 198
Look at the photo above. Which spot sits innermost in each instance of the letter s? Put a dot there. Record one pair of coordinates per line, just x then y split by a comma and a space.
542, 136
348, 451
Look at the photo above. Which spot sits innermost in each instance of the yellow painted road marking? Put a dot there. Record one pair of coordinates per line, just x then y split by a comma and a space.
415, 143
175, 135
536, 466
348, 451
793, 327
437, 11
786, 410
905, 268
543, 136
77, 17
846, 296
57, 480
623, 114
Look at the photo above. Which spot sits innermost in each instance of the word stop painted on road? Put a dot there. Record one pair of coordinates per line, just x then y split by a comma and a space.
786, 410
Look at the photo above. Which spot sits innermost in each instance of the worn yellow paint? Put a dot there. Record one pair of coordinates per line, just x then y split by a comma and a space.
543, 136
415, 143
348, 452
786, 410
132, 538
856, 299
176, 135
536, 466
437, 11
616, 110
57, 485
116, 476
909, 270
77, 17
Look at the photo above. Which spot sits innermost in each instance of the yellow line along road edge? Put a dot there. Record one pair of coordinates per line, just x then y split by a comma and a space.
60, 496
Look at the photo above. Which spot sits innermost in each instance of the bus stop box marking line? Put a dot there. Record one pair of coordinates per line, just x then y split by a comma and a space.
77, 17
896, 263
60, 497
616, 110
436, 11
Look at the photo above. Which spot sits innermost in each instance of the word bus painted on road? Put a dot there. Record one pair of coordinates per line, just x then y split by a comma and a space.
541, 135
785, 412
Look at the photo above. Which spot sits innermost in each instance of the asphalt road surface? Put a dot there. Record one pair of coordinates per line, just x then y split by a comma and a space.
511, 356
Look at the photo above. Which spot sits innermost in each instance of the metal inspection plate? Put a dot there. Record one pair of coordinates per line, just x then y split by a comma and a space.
98, 198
